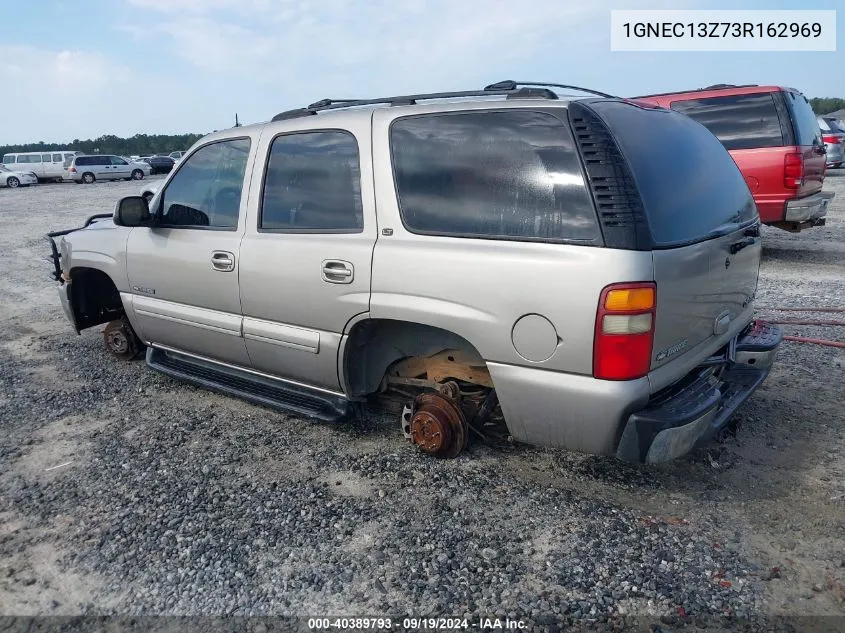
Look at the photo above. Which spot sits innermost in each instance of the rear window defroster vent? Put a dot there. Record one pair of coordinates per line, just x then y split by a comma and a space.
617, 200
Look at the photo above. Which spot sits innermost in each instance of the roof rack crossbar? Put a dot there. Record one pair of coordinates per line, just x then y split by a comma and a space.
334, 104
510, 84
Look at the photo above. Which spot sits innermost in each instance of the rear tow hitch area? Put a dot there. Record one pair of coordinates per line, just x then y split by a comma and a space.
695, 410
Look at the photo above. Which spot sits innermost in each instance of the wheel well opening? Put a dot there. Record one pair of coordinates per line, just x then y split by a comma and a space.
378, 346
94, 298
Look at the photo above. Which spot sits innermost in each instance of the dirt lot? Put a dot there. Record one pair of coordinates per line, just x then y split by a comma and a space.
124, 492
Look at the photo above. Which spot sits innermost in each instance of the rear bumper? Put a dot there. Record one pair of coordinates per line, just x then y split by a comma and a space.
835, 154
809, 209
690, 414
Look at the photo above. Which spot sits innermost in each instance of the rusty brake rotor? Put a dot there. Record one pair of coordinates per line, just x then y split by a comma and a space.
438, 426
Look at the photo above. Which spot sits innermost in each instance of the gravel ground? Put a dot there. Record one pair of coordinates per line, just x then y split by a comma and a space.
125, 492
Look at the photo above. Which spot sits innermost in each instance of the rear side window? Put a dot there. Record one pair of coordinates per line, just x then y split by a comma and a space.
739, 121
9, 159
57, 158
46, 158
806, 124
505, 175
29, 159
690, 186
313, 183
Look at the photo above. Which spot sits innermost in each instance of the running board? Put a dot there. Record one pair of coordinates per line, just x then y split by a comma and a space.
276, 394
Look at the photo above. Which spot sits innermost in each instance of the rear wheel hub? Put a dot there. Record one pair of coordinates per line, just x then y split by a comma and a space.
438, 426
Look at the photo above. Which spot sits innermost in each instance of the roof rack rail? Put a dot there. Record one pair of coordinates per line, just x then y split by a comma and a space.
509, 84
723, 86
334, 104
713, 87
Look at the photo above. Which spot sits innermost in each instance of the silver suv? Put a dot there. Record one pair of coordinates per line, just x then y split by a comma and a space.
89, 169
572, 272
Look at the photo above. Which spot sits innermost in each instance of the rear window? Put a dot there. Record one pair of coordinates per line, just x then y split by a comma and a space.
739, 121
806, 124
835, 126
690, 186
491, 174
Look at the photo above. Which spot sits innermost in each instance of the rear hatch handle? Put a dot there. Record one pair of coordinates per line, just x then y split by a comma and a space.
750, 234
738, 246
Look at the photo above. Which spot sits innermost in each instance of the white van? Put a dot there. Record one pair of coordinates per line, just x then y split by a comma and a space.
45, 165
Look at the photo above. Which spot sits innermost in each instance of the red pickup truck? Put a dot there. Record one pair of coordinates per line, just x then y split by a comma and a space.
774, 137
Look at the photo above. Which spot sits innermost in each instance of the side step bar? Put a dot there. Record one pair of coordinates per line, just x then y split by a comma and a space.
276, 394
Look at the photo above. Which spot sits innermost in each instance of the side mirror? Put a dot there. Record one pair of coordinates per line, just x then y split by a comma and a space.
149, 192
132, 211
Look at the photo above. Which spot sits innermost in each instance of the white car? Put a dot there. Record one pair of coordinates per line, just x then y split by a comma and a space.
13, 179
137, 163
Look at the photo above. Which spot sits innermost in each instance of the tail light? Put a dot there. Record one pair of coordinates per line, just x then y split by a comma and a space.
72, 170
832, 139
624, 331
793, 171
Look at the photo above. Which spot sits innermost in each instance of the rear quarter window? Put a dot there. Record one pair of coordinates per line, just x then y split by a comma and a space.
806, 124
9, 159
491, 174
689, 184
738, 121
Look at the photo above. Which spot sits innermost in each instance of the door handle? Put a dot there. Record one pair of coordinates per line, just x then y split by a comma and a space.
337, 271
223, 261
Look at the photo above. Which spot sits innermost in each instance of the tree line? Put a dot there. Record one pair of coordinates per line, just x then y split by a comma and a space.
826, 105
138, 145
146, 144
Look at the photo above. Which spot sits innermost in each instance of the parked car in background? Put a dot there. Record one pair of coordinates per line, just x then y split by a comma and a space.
144, 167
13, 179
45, 165
160, 164
576, 262
775, 139
833, 135
177, 155
90, 168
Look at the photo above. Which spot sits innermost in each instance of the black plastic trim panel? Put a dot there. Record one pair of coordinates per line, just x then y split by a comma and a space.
615, 194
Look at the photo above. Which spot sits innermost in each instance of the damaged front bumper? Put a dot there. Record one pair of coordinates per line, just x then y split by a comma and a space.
55, 255
691, 413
